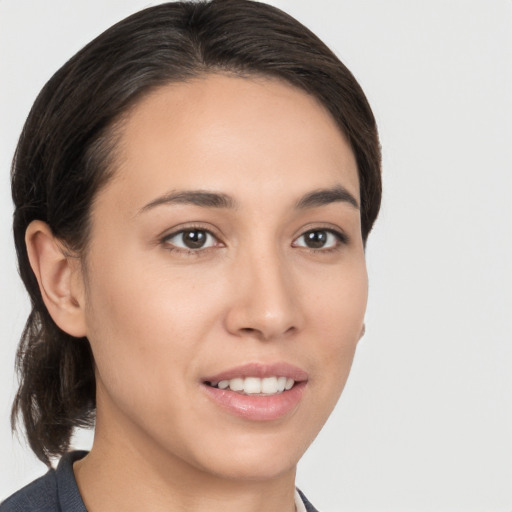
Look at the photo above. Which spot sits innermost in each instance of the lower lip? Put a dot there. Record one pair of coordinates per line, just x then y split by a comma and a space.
254, 407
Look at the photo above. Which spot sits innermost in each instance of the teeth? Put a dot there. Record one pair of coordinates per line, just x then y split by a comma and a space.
269, 385
236, 384
252, 385
256, 386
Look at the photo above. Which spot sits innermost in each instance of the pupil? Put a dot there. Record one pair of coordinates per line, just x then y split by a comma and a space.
316, 239
194, 239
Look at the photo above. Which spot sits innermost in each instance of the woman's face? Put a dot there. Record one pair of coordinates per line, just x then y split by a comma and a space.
225, 262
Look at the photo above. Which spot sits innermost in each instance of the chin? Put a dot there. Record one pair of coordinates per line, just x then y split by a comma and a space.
253, 469
256, 458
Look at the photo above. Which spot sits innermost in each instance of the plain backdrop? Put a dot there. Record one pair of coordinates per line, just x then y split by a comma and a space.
425, 422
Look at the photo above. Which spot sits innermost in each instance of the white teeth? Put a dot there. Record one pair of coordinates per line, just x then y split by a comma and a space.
255, 385
281, 383
252, 385
236, 384
269, 385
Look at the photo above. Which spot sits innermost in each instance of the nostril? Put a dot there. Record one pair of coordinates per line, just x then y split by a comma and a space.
263, 334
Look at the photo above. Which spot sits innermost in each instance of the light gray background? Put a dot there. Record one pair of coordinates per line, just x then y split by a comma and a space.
425, 422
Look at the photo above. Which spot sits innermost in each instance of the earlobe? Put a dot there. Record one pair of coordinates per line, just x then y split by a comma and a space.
363, 330
59, 276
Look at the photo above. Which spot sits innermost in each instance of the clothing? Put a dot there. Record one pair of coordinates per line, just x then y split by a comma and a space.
54, 492
307, 504
57, 491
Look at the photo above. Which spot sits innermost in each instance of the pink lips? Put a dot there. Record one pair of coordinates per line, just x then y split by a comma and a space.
257, 407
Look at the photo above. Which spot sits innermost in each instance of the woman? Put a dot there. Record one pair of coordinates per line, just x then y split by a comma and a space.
193, 192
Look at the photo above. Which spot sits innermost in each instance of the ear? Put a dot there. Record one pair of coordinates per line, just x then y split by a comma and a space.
363, 330
59, 276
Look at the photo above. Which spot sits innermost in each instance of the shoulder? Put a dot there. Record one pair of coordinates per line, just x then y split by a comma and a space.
38, 496
56, 491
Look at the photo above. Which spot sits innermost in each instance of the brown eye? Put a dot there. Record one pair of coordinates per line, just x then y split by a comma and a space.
192, 239
318, 239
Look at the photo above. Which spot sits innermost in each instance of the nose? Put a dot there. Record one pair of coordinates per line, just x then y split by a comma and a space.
265, 303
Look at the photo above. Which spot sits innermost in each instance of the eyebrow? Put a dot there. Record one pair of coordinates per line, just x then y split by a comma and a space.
314, 199
195, 197
322, 197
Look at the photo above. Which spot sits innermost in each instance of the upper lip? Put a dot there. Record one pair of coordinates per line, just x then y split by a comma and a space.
261, 370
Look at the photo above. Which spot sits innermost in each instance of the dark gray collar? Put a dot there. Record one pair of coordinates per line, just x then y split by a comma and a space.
67, 489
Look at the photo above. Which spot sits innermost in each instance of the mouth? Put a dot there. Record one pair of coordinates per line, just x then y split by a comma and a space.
256, 391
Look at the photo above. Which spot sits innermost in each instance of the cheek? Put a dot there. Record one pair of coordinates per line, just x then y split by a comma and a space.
336, 321
338, 302
143, 321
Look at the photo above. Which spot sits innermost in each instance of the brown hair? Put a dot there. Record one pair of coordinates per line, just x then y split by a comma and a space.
62, 159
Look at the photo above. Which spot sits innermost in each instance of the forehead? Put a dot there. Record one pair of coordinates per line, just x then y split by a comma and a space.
240, 135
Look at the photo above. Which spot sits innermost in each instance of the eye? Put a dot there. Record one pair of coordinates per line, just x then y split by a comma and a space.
191, 239
319, 239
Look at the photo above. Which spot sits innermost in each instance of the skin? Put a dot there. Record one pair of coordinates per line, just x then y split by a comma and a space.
160, 318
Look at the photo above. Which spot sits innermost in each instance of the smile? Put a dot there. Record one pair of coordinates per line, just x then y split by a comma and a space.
266, 386
258, 392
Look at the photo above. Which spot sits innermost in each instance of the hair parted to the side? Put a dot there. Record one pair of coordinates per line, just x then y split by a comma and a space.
65, 153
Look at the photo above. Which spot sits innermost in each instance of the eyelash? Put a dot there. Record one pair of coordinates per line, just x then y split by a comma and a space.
186, 250
340, 240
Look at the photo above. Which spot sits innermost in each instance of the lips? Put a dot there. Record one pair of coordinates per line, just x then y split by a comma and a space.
257, 392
